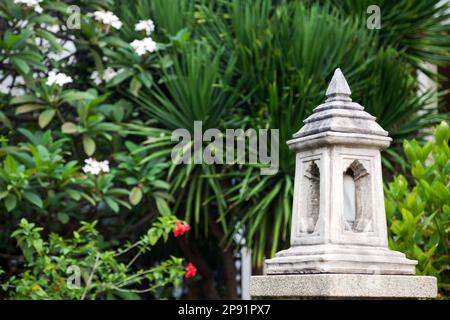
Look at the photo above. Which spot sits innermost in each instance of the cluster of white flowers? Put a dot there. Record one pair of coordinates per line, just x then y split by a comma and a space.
107, 18
108, 75
31, 3
22, 24
12, 86
53, 28
95, 167
59, 79
143, 46
145, 25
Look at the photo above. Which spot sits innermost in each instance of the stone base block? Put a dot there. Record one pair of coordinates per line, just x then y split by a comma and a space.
342, 286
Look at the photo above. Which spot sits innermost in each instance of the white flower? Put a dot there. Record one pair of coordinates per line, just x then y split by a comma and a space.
107, 18
108, 75
95, 76
4, 88
145, 25
104, 165
31, 3
53, 28
95, 167
143, 46
22, 24
59, 79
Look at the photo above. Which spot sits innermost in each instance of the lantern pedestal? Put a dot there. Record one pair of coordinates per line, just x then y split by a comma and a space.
342, 286
332, 258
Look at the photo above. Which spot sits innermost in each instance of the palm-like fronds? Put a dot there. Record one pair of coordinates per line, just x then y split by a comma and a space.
266, 64
418, 29
197, 87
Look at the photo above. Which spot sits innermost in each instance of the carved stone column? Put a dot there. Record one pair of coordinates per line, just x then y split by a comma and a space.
339, 230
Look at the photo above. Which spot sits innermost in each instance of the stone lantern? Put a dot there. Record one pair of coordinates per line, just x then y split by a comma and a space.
339, 243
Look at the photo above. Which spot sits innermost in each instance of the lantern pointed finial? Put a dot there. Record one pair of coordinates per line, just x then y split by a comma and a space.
338, 89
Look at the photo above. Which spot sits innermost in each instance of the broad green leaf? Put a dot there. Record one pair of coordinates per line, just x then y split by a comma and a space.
50, 38
63, 217
122, 76
74, 95
135, 195
10, 164
74, 194
33, 198
26, 98
135, 86
88, 145
21, 65
3, 194
28, 108
4, 119
10, 202
442, 133
69, 127
112, 204
45, 117
163, 207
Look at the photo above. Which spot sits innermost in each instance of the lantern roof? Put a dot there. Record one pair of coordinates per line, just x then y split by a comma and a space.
339, 113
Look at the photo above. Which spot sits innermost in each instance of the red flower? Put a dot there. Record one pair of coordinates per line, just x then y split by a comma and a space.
191, 270
180, 228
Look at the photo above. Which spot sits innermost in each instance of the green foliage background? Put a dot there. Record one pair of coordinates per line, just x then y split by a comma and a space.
230, 64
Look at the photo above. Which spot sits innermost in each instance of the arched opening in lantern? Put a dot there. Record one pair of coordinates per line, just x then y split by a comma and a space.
356, 197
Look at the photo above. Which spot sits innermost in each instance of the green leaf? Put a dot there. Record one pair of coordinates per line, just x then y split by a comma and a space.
112, 204
74, 194
3, 194
28, 108
409, 151
135, 86
33, 198
63, 217
45, 117
163, 207
69, 127
442, 191
122, 76
4, 119
10, 164
74, 95
26, 98
10, 202
135, 195
88, 145
446, 209
50, 38
442, 133
21, 65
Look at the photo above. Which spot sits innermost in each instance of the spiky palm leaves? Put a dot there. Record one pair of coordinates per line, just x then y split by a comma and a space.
265, 64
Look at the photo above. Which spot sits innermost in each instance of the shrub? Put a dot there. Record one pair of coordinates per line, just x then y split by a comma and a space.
80, 267
419, 212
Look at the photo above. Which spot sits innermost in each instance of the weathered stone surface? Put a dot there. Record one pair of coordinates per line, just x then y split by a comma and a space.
342, 286
340, 114
331, 258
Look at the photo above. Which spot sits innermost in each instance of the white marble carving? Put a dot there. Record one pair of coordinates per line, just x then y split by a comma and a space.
339, 221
